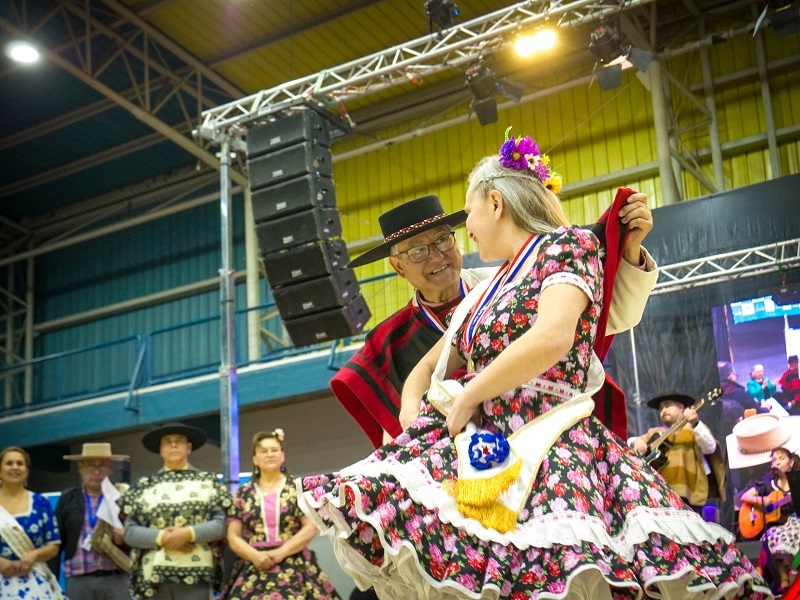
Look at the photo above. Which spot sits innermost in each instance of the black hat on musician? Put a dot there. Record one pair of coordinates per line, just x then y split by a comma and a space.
687, 401
405, 221
152, 439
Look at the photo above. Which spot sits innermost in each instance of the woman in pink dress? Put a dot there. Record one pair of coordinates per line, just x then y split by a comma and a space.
270, 534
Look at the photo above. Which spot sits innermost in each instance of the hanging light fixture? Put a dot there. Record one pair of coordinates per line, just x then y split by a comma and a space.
441, 14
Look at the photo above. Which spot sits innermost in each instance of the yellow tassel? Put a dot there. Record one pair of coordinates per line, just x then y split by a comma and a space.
495, 516
477, 498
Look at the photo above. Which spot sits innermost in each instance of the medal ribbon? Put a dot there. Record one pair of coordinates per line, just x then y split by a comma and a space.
507, 272
430, 316
92, 515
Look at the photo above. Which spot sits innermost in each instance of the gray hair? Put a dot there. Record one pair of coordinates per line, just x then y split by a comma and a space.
532, 206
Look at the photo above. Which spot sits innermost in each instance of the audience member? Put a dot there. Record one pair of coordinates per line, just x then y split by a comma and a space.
790, 384
175, 521
759, 387
735, 399
89, 574
692, 462
270, 534
29, 535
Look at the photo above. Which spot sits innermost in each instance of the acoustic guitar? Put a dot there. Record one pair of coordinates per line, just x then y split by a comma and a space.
753, 517
655, 456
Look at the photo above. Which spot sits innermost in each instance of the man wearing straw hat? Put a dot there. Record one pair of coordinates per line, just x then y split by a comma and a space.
90, 575
420, 243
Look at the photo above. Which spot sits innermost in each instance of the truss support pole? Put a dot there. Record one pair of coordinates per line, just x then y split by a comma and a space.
252, 283
29, 298
713, 127
669, 187
228, 380
769, 116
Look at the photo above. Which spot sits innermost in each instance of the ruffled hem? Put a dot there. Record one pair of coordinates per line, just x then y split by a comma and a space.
401, 577
566, 528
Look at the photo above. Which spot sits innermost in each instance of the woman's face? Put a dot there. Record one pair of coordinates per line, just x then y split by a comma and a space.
758, 373
269, 455
781, 461
481, 225
13, 468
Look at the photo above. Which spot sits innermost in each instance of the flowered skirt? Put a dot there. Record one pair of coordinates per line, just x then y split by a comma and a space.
298, 577
598, 524
784, 539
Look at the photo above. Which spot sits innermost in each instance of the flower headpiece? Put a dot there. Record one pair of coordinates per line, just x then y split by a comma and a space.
278, 433
523, 154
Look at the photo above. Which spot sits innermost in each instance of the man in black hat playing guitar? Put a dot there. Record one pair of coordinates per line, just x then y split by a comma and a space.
684, 450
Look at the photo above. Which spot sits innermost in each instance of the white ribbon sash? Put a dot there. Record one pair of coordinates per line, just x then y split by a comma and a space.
529, 444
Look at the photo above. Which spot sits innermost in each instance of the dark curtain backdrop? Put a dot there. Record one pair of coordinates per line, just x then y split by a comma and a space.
675, 341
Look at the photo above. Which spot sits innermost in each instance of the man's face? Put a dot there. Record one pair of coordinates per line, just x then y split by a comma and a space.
670, 412
758, 373
793, 365
93, 471
437, 276
175, 449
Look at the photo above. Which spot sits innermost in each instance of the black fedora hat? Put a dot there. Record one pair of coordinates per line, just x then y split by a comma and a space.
152, 439
405, 221
687, 401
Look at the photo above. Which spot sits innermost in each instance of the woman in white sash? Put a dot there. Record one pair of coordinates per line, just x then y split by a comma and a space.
28, 533
541, 501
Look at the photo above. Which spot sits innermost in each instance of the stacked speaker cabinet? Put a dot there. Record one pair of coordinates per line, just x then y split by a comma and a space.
289, 165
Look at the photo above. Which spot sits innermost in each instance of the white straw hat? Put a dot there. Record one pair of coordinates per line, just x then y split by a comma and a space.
754, 438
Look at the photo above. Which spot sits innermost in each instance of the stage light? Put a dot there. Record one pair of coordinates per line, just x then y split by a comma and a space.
22, 52
441, 14
543, 40
605, 44
481, 81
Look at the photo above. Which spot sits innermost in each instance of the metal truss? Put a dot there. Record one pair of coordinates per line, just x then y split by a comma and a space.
454, 47
738, 264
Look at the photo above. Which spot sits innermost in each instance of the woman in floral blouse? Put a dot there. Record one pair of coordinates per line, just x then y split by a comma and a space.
539, 500
270, 534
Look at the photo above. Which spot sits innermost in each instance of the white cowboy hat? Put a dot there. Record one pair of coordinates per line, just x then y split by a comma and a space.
754, 438
95, 451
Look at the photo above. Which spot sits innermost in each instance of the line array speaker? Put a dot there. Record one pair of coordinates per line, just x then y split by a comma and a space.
298, 228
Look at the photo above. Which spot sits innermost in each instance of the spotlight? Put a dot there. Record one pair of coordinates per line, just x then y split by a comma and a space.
605, 44
526, 45
480, 81
441, 14
22, 52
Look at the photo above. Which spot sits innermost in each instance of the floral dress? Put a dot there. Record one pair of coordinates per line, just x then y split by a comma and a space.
41, 527
298, 576
597, 522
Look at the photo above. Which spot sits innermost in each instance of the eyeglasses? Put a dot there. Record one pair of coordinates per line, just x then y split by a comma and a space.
443, 243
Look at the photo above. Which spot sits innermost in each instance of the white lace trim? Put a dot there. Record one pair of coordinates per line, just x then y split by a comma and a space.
401, 577
566, 528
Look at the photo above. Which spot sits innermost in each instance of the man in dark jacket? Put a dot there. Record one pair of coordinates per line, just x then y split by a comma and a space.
89, 574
